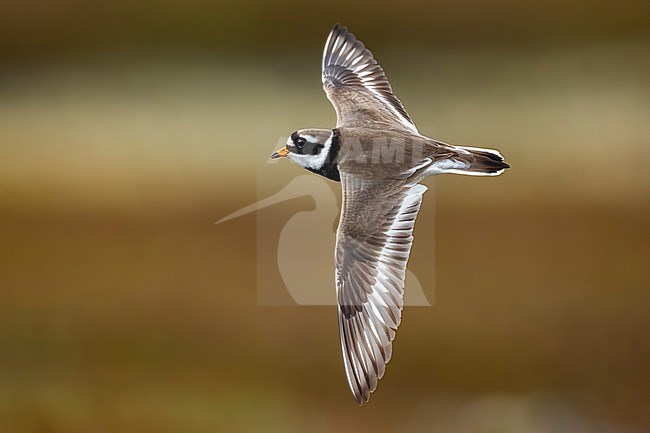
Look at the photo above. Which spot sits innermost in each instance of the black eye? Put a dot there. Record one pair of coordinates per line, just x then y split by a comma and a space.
300, 142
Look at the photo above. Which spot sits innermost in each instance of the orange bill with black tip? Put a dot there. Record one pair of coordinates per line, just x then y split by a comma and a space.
281, 153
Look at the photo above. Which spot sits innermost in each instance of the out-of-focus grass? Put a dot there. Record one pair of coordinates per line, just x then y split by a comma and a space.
123, 308
572, 118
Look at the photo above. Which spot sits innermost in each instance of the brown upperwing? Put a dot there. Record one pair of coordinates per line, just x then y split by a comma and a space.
357, 86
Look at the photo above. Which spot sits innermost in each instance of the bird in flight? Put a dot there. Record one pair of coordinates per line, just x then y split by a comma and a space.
379, 157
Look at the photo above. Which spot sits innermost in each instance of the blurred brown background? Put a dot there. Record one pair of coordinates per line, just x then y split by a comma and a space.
127, 129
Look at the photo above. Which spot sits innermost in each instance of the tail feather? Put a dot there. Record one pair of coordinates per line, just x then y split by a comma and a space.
481, 162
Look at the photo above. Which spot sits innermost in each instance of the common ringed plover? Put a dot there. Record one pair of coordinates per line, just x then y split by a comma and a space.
378, 155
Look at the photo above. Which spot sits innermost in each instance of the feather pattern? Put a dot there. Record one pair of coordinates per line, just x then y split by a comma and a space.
370, 272
357, 85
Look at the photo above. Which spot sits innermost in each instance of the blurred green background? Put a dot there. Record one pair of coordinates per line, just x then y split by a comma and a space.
128, 128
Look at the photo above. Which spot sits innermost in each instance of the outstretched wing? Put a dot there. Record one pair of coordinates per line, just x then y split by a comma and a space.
357, 86
374, 239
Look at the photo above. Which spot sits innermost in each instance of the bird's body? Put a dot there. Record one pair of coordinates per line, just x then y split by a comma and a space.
378, 155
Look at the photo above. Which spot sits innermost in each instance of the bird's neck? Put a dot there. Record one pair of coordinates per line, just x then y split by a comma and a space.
330, 168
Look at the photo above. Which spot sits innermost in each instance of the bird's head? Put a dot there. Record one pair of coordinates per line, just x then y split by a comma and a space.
309, 148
